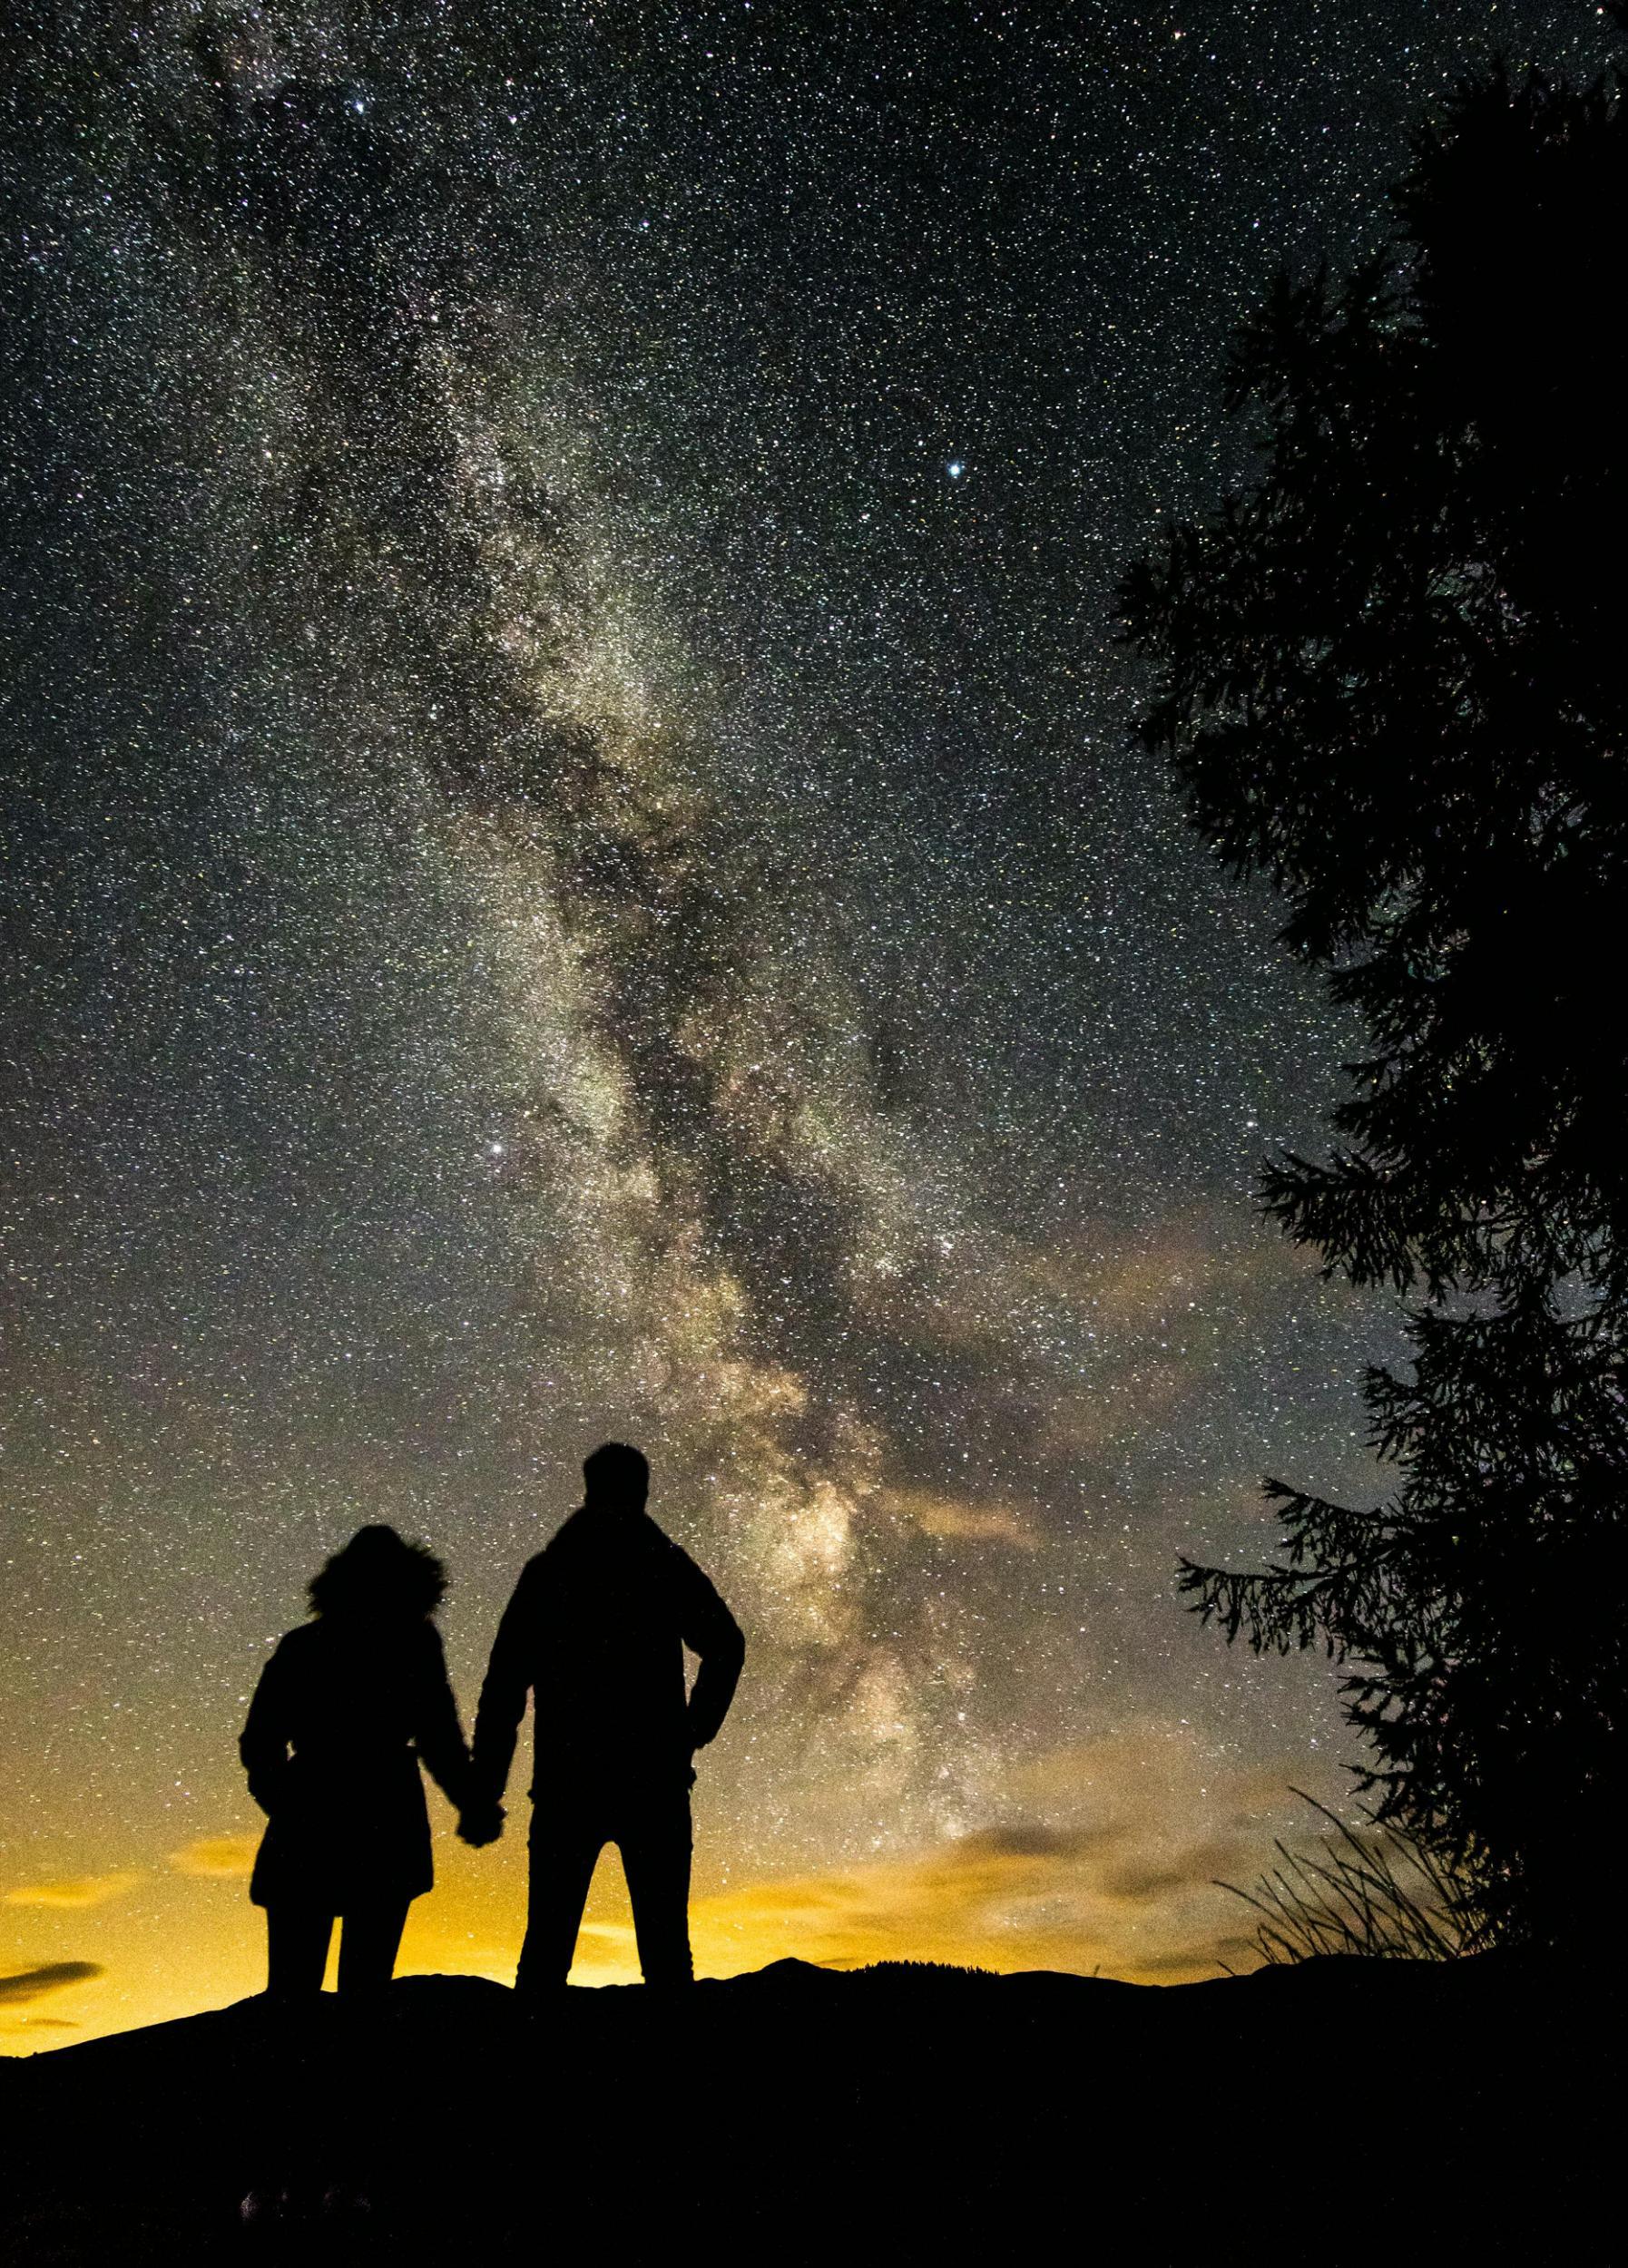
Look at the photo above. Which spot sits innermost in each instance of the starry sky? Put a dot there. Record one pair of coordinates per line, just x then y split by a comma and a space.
574, 867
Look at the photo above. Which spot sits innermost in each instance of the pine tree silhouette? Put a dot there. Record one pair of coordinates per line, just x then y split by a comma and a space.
1392, 683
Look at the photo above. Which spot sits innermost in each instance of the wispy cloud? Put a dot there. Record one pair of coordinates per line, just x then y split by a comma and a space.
946, 1515
74, 1890
217, 1858
1018, 1897
24, 1985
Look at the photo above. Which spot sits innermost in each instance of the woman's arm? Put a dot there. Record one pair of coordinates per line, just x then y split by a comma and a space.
437, 1734
263, 1744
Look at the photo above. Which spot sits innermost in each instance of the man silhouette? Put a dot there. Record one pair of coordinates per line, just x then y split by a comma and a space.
596, 1631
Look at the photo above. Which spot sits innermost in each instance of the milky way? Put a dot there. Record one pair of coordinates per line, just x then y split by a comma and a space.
574, 868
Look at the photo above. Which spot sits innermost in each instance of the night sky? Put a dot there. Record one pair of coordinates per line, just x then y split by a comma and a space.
574, 867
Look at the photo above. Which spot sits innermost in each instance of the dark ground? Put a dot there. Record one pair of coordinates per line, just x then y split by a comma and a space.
1344, 2110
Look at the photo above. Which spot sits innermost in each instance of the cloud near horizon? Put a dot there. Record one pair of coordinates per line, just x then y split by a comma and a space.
1017, 1897
75, 1891
26, 1985
217, 1858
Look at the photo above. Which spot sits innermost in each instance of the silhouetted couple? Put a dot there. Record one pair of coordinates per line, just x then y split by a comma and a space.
352, 1703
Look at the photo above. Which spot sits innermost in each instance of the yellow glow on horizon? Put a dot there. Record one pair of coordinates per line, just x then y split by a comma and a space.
1104, 1861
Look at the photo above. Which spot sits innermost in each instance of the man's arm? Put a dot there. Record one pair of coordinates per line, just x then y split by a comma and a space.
503, 1695
712, 1632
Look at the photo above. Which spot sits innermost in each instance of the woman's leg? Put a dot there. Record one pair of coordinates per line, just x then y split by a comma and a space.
368, 1945
295, 1949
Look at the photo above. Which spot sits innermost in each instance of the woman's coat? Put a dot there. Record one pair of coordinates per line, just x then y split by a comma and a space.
346, 1710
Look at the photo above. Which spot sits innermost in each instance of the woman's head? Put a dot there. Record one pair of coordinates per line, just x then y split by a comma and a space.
379, 1573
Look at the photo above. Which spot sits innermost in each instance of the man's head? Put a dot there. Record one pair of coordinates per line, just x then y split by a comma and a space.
616, 1477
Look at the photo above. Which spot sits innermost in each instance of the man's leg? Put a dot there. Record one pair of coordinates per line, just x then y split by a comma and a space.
656, 1841
369, 1943
565, 1844
296, 1949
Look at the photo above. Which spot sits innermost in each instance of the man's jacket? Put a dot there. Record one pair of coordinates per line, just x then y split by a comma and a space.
596, 1630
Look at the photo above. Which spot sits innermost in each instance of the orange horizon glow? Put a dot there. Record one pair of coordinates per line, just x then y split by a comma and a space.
1125, 1889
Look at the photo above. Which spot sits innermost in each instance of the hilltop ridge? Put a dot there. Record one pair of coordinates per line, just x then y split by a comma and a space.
803, 2111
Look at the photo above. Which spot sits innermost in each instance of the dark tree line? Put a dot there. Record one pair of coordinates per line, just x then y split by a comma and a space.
1392, 679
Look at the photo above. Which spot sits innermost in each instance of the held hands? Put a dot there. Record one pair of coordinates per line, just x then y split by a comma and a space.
480, 1823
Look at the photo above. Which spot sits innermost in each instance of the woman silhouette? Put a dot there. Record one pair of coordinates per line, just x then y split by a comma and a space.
346, 1709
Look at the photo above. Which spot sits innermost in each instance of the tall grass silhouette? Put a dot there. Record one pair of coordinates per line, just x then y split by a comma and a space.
1377, 1890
